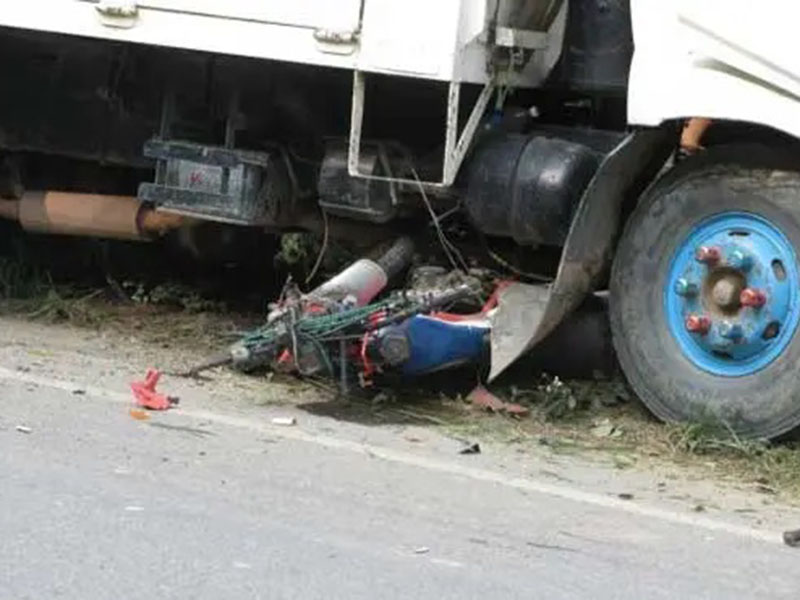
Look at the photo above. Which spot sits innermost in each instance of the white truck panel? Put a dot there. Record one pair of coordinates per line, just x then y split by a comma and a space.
337, 15
178, 30
432, 39
723, 59
396, 40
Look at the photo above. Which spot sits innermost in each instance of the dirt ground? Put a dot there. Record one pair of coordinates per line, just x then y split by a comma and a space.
591, 420
99, 312
283, 478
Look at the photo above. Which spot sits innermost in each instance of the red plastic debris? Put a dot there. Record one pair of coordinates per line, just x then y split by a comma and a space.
483, 398
512, 408
366, 363
284, 363
491, 303
146, 394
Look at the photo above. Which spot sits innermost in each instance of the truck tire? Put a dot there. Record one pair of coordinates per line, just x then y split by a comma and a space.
705, 293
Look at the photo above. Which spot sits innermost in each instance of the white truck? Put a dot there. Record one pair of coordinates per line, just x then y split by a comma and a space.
555, 128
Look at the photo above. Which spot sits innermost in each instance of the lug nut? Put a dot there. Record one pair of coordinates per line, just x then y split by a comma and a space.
709, 255
730, 331
698, 324
684, 287
752, 297
739, 259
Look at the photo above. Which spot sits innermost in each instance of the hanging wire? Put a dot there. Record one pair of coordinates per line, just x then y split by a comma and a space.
449, 248
507, 265
510, 267
322, 249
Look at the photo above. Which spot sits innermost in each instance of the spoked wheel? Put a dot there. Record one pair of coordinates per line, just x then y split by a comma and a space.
705, 294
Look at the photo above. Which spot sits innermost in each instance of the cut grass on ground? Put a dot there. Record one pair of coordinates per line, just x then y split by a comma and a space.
566, 416
166, 315
592, 417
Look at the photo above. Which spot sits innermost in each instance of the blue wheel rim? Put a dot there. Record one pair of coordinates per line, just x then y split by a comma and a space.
720, 258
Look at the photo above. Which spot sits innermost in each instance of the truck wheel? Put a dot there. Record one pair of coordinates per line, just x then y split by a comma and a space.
705, 293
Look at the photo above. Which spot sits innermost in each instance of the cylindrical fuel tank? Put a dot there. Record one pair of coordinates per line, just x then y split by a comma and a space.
527, 187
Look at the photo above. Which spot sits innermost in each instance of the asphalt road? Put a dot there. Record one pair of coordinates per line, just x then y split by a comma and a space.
98, 505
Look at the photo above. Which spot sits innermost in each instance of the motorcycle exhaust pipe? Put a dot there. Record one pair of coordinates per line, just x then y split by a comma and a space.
365, 278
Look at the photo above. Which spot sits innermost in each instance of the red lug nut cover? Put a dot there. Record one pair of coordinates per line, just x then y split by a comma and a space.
752, 297
708, 254
698, 324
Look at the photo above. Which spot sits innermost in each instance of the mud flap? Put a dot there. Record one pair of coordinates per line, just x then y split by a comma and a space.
527, 313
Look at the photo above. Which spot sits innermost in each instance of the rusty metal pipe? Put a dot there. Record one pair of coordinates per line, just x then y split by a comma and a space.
91, 215
156, 223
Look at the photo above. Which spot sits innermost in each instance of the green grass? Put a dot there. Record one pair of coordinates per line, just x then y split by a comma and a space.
29, 291
710, 437
20, 280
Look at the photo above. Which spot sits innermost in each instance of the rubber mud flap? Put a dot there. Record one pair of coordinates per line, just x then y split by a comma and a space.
527, 313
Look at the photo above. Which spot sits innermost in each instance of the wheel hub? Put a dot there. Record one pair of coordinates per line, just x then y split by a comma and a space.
731, 298
725, 293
